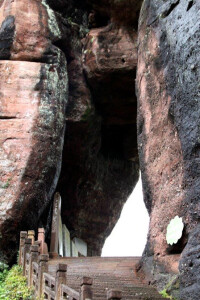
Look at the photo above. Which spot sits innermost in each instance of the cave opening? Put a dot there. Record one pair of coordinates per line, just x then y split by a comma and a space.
100, 164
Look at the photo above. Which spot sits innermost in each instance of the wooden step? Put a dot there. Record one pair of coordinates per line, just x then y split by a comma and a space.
107, 273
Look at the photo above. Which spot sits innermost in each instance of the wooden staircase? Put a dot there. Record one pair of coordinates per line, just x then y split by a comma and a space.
80, 278
107, 273
77, 278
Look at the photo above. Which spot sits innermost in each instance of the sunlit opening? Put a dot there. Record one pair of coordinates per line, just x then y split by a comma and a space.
129, 235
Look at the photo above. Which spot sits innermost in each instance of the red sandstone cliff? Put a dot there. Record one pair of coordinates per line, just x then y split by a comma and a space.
68, 113
32, 118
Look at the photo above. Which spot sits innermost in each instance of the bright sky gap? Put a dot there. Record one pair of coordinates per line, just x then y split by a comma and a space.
129, 235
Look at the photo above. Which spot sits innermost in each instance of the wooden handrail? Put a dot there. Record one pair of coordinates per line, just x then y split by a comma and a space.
34, 253
34, 281
35, 268
69, 293
49, 286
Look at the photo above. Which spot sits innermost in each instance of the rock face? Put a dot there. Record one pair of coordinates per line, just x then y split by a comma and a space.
68, 122
32, 118
100, 160
189, 267
68, 116
168, 129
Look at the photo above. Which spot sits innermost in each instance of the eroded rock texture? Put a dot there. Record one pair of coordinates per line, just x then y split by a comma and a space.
169, 130
33, 99
100, 162
67, 99
189, 267
68, 122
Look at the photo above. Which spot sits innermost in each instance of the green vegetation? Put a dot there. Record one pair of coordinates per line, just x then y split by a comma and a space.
6, 185
171, 290
13, 285
165, 294
3, 273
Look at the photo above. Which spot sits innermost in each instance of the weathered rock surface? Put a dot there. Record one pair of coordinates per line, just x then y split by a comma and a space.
99, 158
123, 12
91, 47
33, 97
168, 122
109, 50
28, 31
189, 267
100, 161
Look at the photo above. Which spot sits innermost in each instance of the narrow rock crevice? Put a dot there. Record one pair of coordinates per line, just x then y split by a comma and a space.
7, 117
190, 4
172, 6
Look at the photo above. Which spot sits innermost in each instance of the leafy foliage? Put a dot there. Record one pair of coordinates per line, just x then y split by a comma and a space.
165, 295
13, 285
172, 286
3, 272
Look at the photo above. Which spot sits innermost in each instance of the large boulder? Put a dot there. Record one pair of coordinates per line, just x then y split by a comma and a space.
33, 97
169, 124
42, 47
189, 267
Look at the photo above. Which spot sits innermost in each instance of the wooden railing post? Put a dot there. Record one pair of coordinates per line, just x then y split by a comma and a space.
43, 267
41, 239
114, 295
61, 272
55, 225
23, 236
86, 288
31, 235
26, 249
34, 254
34, 277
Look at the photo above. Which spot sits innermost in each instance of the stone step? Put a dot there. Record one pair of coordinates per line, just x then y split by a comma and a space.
107, 273
118, 266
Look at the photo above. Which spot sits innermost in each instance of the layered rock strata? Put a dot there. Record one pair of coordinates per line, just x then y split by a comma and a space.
34, 87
